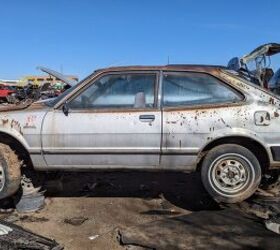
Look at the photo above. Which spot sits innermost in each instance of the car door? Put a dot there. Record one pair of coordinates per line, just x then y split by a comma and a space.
196, 108
113, 122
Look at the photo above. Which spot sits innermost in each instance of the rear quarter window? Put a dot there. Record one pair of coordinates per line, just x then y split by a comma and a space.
196, 89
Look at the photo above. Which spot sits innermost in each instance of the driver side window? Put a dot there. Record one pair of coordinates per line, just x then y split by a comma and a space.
128, 90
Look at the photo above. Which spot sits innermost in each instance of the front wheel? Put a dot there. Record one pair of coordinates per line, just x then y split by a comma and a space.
230, 173
10, 174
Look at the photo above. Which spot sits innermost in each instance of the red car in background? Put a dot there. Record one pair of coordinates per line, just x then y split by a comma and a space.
7, 93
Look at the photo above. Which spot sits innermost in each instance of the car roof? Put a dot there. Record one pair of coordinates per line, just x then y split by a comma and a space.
175, 67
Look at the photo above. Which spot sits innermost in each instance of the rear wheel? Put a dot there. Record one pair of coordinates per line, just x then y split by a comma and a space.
10, 174
230, 173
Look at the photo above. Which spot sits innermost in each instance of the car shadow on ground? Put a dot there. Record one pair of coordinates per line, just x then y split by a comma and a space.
180, 189
223, 229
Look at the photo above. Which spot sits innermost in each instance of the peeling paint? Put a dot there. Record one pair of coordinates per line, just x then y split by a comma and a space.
30, 121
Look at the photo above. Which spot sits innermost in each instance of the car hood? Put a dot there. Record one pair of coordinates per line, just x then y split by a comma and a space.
268, 49
58, 75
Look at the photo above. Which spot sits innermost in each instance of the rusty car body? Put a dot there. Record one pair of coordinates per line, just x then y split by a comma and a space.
157, 134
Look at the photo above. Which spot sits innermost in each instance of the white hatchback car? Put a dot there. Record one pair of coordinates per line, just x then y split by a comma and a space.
175, 117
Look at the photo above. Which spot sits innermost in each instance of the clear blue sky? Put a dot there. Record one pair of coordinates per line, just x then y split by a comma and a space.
82, 35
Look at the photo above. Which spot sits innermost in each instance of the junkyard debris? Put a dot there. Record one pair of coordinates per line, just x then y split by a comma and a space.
93, 237
4, 229
273, 224
19, 238
201, 230
31, 202
25, 218
75, 221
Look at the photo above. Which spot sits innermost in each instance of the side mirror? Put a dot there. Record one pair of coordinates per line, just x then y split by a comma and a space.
65, 109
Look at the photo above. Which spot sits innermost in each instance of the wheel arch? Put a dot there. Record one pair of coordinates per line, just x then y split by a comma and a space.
18, 147
256, 147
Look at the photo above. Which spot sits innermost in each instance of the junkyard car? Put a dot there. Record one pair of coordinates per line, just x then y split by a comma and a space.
175, 117
256, 67
7, 94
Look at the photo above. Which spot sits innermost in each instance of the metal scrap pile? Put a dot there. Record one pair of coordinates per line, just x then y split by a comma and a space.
29, 92
15, 237
256, 67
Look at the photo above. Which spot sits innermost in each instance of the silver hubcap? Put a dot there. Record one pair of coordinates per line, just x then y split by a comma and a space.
2, 178
230, 173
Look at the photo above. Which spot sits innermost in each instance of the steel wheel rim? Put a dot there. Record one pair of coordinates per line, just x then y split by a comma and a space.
230, 173
2, 177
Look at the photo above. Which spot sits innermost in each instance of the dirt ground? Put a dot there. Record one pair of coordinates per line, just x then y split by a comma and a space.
110, 202
107, 203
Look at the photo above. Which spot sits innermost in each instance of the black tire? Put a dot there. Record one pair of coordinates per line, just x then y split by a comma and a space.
10, 173
230, 173
11, 99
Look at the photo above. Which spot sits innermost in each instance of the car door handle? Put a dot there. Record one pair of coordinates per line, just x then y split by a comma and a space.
146, 118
